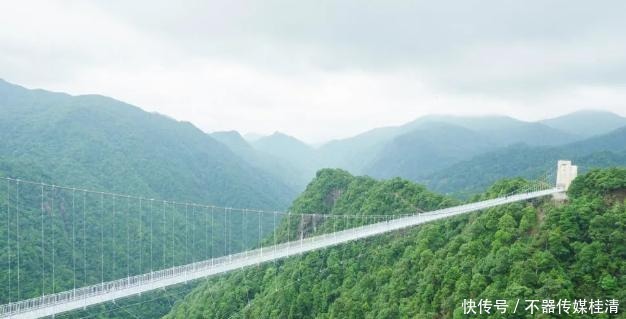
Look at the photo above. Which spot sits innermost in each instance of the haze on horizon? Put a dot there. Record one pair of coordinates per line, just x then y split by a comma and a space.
320, 70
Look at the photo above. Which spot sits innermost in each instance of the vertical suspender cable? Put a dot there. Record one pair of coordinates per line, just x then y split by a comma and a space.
243, 234
43, 250
151, 222
173, 240
85, 237
17, 215
193, 234
163, 245
212, 232
102, 237
206, 233
53, 248
186, 234
74, 235
140, 239
275, 237
113, 240
128, 237
9, 233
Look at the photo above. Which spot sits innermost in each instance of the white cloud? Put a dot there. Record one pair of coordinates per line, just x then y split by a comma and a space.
319, 70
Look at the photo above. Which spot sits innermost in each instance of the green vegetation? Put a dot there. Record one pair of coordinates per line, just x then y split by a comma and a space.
587, 123
522, 250
279, 167
290, 150
528, 250
473, 176
600, 182
102, 144
424, 150
438, 150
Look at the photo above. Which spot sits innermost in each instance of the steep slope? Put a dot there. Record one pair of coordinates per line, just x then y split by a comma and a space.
476, 174
504, 130
587, 123
366, 153
519, 251
99, 143
96, 141
357, 152
426, 149
279, 168
290, 150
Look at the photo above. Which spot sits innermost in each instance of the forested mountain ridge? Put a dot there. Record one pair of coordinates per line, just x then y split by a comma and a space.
281, 168
426, 149
473, 175
587, 123
292, 153
98, 143
526, 250
503, 130
423, 147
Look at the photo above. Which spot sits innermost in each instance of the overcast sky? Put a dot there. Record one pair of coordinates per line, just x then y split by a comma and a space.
323, 69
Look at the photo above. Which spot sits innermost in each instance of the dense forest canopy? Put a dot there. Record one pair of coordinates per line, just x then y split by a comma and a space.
98, 143
528, 250
63, 239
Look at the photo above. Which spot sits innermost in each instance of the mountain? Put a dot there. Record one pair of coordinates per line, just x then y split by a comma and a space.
525, 250
612, 141
503, 130
252, 137
234, 141
278, 167
587, 123
426, 149
357, 152
279, 144
368, 153
291, 150
95, 142
420, 147
474, 175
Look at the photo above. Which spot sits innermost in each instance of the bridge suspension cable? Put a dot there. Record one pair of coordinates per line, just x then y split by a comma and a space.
48, 211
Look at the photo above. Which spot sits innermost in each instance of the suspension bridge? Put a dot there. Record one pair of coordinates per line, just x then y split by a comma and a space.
86, 254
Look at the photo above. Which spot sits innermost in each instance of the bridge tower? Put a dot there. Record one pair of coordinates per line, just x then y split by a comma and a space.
565, 174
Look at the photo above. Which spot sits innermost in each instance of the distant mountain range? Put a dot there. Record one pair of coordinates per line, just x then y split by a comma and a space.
587, 123
95, 142
98, 142
474, 175
429, 148
38, 125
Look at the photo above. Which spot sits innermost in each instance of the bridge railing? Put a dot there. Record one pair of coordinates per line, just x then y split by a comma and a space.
177, 271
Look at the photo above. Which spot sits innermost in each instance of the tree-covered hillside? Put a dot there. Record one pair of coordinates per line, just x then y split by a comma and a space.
587, 123
424, 150
281, 168
472, 176
527, 250
413, 149
98, 143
